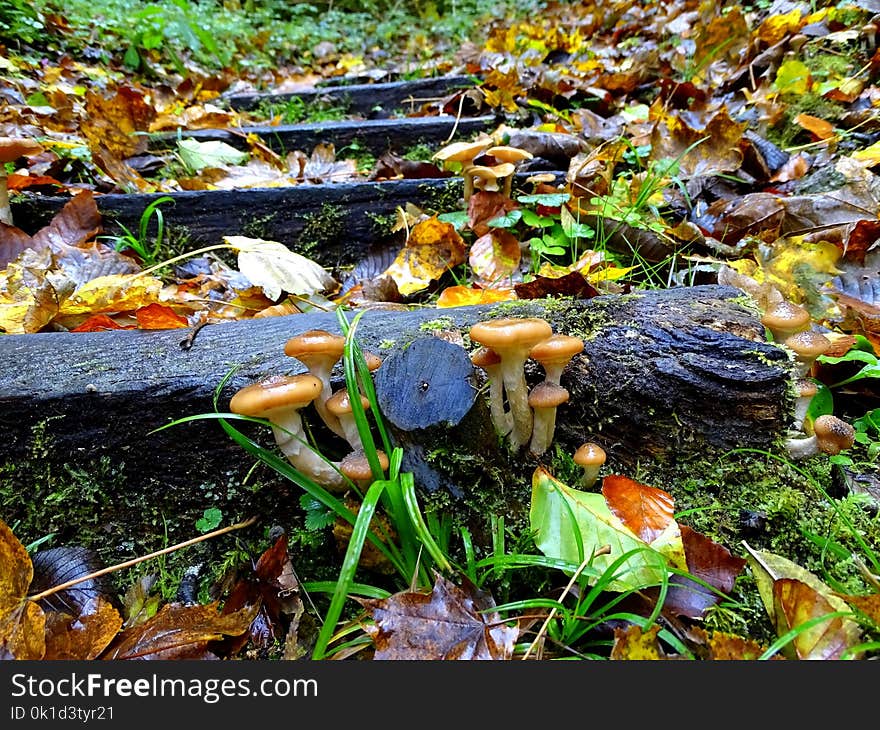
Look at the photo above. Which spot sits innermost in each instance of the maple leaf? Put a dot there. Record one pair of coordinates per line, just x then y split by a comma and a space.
451, 622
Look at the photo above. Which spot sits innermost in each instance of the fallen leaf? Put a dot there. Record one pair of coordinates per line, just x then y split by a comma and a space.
451, 622
462, 296
82, 636
276, 269
159, 317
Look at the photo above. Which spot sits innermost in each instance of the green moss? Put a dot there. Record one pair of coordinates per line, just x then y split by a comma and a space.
381, 225
321, 228
443, 199
437, 325
259, 227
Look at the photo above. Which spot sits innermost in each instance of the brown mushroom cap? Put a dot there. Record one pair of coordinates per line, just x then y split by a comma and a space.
11, 148
832, 434
589, 454
506, 153
491, 175
356, 466
373, 361
462, 151
785, 318
339, 404
807, 344
277, 391
509, 333
315, 345
556, 349
805, 388
547, 395
485, 357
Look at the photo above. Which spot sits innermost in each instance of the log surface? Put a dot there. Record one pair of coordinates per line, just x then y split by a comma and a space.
667, 374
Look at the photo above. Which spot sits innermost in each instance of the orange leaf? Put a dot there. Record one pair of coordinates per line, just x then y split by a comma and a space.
84, 636
647, 511
819, 128
794, 604
99, 323
159, 317
460, 296
20, 182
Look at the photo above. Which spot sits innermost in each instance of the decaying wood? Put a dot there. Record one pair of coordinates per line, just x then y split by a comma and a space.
361, 98
665, 375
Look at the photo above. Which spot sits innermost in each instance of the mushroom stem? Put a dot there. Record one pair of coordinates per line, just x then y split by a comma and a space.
801, 447
516, 389
468, 182
5, 210
508, 185
320, 403
543, 427
289, 434
589, 476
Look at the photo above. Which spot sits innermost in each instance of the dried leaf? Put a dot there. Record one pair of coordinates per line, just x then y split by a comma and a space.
58, 565
179, 631
634, 643
795, 603
114, 293
117, 121
159, 317
452, 622
433, 247
83, 636
701, 146
494, 258
462, 296
276, 269
214, 153
647, 511
22, 622
569, 285
100, 323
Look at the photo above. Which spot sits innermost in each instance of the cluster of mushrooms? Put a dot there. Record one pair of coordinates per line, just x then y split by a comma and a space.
280, 399
791, 325
495, 176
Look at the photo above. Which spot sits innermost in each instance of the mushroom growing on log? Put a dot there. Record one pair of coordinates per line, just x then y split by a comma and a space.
669, 375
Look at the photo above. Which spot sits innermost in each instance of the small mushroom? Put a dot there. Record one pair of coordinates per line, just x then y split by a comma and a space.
463, 152
512, 338
506, 153
489, 361
544, 399
279, 399
806, 345
12, 149
339, 406
590, 457
831, 435
555, 353
785, 318
498, 178
805, 389
319, 351
356, 466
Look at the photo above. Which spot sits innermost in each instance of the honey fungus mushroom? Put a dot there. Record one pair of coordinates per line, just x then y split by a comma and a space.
831, 435
590, 457
319, 351
339, 405
489, 361
785, 318
544, 400
555, 353
279, 399
513, 338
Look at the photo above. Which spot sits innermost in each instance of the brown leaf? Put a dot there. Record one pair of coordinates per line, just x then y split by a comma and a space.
159, 317
483, 206
574, 284
494, 258
115, 121
84, 636
646, 511
722, 646
703, 146
179, 631
433, 247
274, 590
868, 605
21, 621
100, 323
452, 622
794, 604
708, 561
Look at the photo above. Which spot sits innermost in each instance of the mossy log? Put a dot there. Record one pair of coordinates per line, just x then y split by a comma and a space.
666, 376
360, 98
374, 135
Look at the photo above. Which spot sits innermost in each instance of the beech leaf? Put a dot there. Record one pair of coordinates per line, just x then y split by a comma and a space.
273, 267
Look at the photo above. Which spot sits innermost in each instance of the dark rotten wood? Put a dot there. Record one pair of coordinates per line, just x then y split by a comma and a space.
362, 98
665, 375
375, 135
332, 223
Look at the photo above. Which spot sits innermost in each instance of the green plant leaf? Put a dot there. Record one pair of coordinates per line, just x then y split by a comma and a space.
551, 200
560, 516
209, 520
506, 220
199, 155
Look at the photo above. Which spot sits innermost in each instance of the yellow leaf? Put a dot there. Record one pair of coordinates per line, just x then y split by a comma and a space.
113, 293
793, 77
460, 296
869, 156
609, 273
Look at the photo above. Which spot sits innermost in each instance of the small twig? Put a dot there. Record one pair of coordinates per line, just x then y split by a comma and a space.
129, 563
604, 550
457, 120
187, 342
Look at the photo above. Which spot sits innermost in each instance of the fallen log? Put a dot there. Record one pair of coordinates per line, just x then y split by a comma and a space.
666, 375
